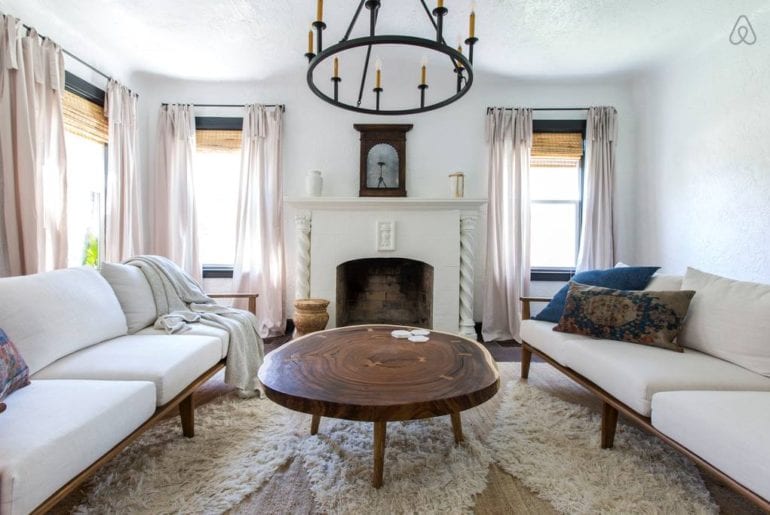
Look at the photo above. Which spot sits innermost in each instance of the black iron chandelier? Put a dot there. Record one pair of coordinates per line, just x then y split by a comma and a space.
461, 65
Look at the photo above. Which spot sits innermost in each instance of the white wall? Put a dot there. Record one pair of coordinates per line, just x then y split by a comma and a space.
703, 185
319, 136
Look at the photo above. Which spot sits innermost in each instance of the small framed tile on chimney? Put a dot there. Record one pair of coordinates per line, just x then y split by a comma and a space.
386, 235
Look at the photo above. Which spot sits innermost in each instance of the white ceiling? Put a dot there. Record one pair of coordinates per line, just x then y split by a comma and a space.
254, 39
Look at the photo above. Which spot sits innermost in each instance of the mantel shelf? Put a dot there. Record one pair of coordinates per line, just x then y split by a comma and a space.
414, 203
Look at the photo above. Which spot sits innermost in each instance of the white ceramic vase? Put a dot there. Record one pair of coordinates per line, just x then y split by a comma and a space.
314, 183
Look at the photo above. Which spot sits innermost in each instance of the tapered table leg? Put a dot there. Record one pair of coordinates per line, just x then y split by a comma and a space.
457, 427
379, 453
314, 424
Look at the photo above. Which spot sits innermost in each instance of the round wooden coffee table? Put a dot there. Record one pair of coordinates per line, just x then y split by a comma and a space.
363, 373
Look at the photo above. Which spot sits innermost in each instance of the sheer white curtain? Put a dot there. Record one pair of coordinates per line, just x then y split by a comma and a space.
509, 140
597, 242
33, 180
124, 225
259, 256
174, 223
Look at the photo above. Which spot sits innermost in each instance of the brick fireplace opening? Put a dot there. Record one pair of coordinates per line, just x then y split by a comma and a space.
385, 291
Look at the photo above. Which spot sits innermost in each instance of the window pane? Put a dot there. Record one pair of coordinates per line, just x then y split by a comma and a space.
553, 235
216, 197
85, 189
554, 183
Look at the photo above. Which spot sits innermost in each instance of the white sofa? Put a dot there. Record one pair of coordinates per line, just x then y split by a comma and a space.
711, 401
94, 387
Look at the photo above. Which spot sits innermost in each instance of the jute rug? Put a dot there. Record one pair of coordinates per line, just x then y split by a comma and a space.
243, 447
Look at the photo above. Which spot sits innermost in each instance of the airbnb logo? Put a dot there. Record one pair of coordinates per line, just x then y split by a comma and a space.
743, 32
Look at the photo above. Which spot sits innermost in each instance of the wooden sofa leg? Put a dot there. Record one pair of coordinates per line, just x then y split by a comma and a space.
526, 358
609, 423
187, 414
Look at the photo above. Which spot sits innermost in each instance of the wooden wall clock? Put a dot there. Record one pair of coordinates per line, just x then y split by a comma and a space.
383, 159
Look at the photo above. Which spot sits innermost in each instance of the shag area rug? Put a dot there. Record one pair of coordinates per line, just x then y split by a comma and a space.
552, 446
549, 444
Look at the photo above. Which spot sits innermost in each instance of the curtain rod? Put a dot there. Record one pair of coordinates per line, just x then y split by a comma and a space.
544, 108
282, 107
78, 59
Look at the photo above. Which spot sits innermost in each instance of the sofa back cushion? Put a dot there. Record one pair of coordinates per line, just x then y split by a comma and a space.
728, 319
56, 313
660, 282
134, 294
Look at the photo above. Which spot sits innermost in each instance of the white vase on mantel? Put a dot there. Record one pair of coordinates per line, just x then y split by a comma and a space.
314, 183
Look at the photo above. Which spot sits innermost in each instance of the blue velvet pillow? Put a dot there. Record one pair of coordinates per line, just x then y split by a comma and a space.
624, 278
14, 373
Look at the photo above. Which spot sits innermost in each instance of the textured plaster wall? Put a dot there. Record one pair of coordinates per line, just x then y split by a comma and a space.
703, 185
319, 136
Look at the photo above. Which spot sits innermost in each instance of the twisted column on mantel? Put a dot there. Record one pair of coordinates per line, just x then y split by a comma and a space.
467, 229
302, 229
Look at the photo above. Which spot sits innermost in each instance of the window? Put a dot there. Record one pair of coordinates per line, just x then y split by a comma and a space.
85, 139
217, 172
555, 197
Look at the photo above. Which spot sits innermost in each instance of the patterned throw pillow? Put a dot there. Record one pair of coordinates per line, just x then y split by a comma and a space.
14, 373
620, 278
647, 317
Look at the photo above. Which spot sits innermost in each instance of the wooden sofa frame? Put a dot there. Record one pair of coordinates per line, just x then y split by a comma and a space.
184, 402
611, 407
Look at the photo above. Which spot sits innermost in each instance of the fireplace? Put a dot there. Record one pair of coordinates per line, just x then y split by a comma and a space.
385, 291
439, 234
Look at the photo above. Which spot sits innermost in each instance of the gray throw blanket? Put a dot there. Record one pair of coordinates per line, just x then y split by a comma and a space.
180, 301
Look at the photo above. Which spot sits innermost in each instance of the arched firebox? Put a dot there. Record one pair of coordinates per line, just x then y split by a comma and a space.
385, 291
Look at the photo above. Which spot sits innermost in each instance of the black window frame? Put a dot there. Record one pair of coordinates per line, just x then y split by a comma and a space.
218, 123
98, 96
555, 126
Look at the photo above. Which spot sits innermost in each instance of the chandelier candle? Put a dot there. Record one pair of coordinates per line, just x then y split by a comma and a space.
472, 24
319, 10
423, 82
378, 82
336, 79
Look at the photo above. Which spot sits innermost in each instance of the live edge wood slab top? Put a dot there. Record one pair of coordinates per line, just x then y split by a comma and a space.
363, 373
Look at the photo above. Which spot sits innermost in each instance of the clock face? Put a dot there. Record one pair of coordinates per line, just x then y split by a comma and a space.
382, 167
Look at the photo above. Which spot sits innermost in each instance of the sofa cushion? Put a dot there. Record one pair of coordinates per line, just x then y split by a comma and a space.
727, 429
729, 319
171, 362
645, 317
661, 282
53, 430
134, 294
634, 373
540, 335
621, 278
53, 314
198, 329
14, 373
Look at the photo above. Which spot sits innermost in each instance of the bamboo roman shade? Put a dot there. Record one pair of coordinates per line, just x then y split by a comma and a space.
559, 145
84, 118
208, 140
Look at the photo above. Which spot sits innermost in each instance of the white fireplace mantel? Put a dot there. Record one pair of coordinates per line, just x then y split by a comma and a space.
344, 203
439, 232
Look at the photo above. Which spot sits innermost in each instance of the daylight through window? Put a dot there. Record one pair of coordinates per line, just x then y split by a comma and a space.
217, 171
555, 200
